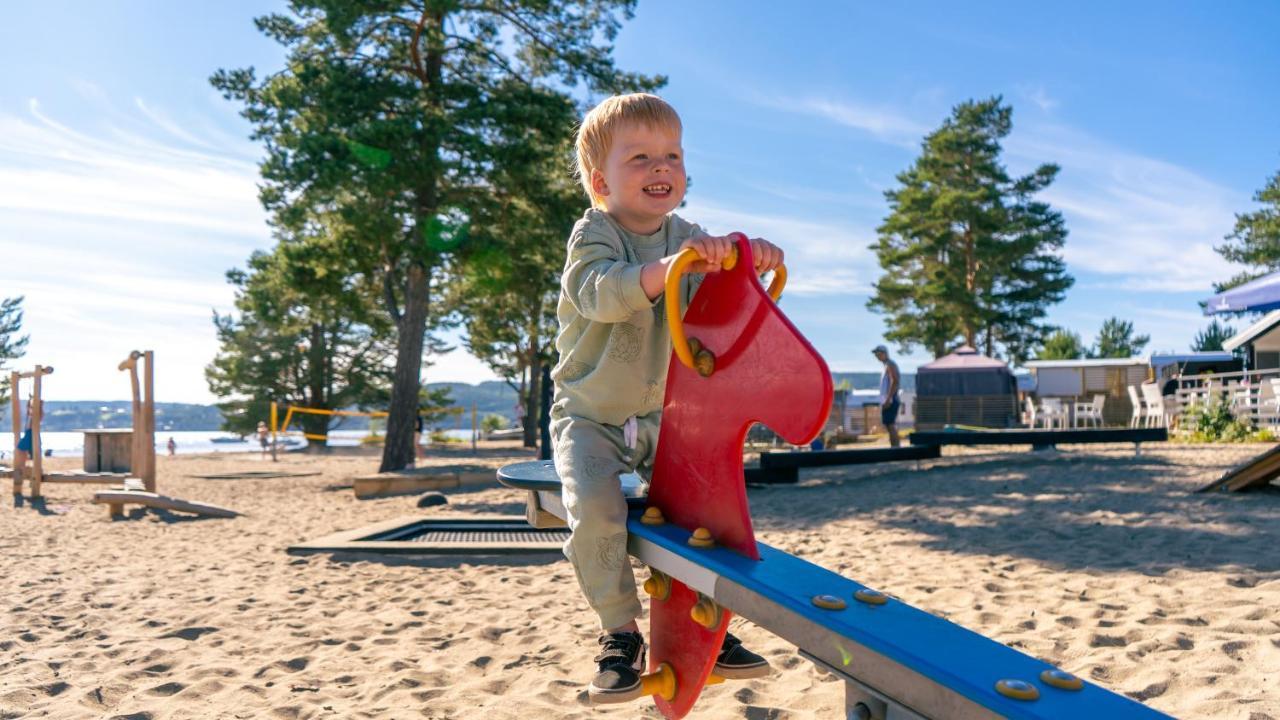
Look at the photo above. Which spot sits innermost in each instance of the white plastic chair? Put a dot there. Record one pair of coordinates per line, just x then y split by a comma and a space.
1090, 413
1155, 413
1055, 413
1136, 418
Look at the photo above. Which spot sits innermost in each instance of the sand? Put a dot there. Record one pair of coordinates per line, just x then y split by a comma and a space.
1095, 560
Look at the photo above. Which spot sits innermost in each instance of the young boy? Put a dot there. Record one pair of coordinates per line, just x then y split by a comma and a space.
614, 348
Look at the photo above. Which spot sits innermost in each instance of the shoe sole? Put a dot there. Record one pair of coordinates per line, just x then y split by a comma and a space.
600, 696
749, 672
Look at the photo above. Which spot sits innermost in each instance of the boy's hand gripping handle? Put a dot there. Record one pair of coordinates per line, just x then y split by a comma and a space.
679, 343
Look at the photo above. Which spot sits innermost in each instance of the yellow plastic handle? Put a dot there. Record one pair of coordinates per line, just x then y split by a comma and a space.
688, 256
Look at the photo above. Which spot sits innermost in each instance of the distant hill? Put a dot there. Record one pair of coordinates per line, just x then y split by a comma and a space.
66, 416
490, 398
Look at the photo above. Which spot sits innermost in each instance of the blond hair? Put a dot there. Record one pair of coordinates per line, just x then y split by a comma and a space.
595, 134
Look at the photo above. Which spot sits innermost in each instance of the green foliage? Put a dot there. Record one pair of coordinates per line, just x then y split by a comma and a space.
1212, 337
306, 332
1062, 345
969, 254
12, 346
440, 438
1255, 239
1116, 340
508, 283
1214, 422
493, 422
395, 115
434, 404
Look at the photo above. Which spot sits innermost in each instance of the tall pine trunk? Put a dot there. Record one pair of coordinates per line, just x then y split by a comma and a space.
398, 453
317, 383
531, 400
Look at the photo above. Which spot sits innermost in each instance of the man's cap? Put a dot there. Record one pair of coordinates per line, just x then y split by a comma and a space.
880, 349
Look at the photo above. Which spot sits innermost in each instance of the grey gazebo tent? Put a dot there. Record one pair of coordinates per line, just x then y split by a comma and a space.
965, 388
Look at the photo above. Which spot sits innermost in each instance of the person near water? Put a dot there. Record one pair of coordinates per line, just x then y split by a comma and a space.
890, 384
22, 452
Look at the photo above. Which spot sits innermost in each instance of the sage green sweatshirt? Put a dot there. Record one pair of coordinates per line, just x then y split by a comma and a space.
613, 341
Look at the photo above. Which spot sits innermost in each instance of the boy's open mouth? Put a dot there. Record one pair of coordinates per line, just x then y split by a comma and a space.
658, 190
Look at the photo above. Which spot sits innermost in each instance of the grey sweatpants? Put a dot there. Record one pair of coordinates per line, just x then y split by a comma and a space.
589, 457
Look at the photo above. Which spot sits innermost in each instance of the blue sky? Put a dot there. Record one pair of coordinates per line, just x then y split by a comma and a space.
127, 185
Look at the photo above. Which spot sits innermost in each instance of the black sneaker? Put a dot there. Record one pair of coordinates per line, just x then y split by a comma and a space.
735, 662
620, 664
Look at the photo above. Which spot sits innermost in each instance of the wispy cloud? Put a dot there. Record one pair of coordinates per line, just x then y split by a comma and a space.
1146, 223
120, 226
823, 258
1038, 97
121, 175
885, 124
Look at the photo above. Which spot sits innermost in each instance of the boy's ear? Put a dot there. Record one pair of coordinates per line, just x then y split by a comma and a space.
598, 185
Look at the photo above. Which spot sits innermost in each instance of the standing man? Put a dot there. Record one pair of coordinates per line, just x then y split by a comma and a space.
890, 383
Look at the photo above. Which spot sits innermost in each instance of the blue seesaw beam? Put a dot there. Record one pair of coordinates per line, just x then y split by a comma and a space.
897, 662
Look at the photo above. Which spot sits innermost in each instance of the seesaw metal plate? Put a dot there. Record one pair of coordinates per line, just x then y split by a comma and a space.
918, 664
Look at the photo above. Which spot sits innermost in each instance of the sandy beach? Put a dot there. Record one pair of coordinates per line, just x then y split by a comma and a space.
1093, 559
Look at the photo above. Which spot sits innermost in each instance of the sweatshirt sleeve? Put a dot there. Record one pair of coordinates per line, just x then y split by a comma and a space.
598, 281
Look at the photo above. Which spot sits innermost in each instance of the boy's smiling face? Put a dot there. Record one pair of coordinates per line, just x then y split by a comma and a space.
642, 178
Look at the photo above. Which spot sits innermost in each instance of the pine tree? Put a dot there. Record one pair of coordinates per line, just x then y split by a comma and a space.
1212, 337
969, 255
1255, 240
1116, 340
306, 332
389, 113
12, 346
1061, 345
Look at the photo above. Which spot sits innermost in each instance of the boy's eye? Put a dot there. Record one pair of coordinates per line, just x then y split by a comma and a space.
640, 156
673, 156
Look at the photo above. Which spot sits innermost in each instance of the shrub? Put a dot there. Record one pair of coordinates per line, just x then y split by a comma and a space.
1214, 422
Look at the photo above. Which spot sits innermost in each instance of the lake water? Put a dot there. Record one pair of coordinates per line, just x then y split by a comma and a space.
71, 444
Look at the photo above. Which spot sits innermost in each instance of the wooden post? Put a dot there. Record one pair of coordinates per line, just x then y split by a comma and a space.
273, 431
37, 454
136, 461
149, 425
474, 430
16, 408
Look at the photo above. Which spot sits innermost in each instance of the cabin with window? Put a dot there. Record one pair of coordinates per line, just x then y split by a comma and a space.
1079, 380
1259, 344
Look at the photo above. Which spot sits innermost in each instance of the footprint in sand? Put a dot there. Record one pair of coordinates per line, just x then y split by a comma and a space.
167, 689
55, 689
1150, 691
191, 633
1233, 648
1100, 640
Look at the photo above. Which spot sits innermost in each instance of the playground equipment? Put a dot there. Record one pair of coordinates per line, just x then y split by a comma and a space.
138, 485
299, 409
1040, 439
784, 467
695, 534
1254, 473
142, 448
